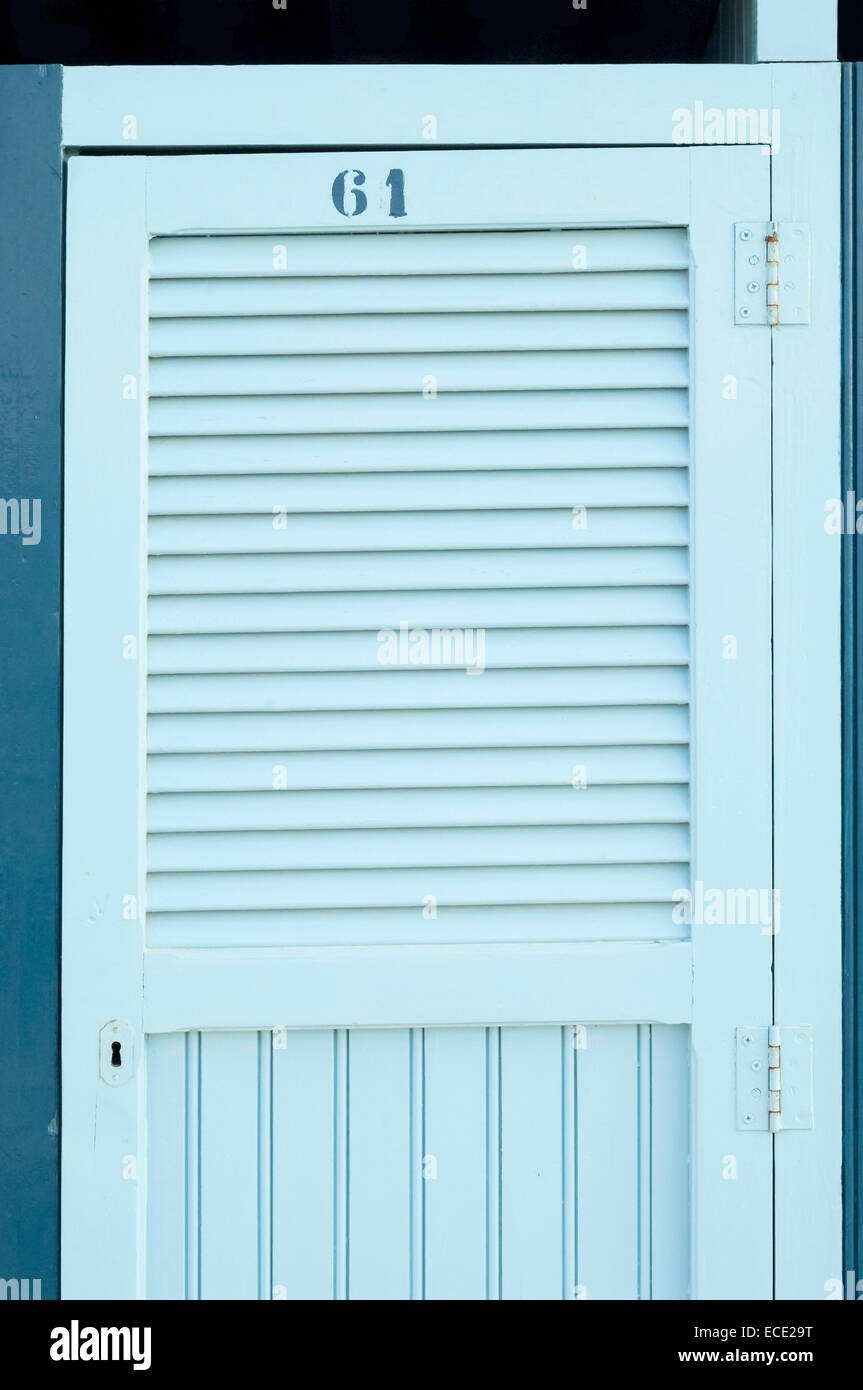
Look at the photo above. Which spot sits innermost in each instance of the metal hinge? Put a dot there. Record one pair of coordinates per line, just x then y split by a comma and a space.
771, 273
774, 1077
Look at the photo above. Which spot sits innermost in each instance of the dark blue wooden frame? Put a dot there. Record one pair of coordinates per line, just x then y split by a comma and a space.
31, 347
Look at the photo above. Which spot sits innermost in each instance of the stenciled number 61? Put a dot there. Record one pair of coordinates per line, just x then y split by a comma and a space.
349, 184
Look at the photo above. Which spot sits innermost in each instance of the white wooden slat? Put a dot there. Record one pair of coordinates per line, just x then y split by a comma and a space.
393, 492
446, 332
480, 410
439, 530
419, 689
491, 767
505, 569
220, 851
432, 687
359, 651
369, 612
433, 253
610, 447
320, 810
601, 292
329, 927
485, 728
398, 887
405, 372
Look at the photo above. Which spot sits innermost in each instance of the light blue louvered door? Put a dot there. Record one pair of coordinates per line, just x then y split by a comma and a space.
417, 665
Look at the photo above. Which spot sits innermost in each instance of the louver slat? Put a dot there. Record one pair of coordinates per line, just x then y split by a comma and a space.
455, 253
609, 447
390, 333
436, 294
418, 585
347, 492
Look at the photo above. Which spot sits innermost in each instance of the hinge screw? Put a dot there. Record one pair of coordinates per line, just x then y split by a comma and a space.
753, 260
756, 1066
752, 287
747, 1037
745, 314
745, 235
748, 1118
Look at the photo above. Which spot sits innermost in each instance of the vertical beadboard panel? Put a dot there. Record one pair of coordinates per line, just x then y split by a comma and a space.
493, 1147
419, 1172
166, 1166
669, 1166
379, 1164
644, 1156
265, 1165
456, 1144
341, 1191
569, 1212
446, 1163
193, 1165
229, 1165
531, 1163
304, 1119
608, 1163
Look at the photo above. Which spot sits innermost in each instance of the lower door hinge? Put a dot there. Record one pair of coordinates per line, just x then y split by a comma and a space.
774, 1077
771, 273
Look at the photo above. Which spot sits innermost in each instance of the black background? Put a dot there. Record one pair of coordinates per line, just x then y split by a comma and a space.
353, 31
369, 31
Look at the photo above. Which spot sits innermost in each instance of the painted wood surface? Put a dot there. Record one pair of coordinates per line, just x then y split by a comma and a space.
272, 106
103, 1167
807, 708
452, 1163
409, 984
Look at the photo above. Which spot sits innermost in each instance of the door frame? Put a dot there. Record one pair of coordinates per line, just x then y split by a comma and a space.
289, 109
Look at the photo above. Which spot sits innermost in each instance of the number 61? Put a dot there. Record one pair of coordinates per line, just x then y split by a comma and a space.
395, 182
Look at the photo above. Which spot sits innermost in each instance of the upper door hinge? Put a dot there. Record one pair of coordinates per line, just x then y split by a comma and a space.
771, 273
774, 1077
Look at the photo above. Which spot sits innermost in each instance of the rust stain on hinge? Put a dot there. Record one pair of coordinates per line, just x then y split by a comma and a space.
772, 286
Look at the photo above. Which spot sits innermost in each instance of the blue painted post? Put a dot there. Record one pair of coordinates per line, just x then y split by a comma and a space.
30, 495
